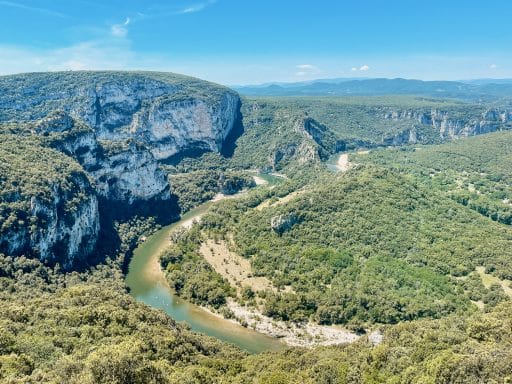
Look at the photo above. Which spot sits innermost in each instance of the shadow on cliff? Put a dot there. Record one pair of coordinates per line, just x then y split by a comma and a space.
109, 243
196, 149
229, 145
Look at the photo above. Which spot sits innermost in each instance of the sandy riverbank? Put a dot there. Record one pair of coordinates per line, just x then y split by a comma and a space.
306, 335
240, 274
238, 271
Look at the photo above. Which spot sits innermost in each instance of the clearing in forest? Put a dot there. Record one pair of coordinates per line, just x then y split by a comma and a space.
236, 269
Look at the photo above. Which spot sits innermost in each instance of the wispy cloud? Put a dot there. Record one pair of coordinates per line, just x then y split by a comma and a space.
45, 11
120, 30
96, 54
362, 68
307, 70
195, 7
493, 66
306, 66
158, 11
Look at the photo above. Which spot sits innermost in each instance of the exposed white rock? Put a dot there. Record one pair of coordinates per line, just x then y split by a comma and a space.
118, 127
375, 337
130, 175
65, 236
282, 223
171, 126
448, 126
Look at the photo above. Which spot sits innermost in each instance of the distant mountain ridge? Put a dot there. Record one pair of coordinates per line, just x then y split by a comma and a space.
486, 89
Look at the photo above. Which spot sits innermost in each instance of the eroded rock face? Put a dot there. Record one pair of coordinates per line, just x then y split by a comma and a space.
446, 125
67, 236
134, 121
129, 175
172, 126
316, 143
283, 223
65, 225
119, 127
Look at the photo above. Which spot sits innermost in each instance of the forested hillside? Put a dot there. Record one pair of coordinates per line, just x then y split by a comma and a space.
79, 328
474, 172
407, 248
370, 246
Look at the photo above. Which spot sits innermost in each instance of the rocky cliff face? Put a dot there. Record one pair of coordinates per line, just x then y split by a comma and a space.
129, 174
71, 229
445, 124
48, 209
139, 121
63, 237
314, 141
169, 126
283, 223
119, 127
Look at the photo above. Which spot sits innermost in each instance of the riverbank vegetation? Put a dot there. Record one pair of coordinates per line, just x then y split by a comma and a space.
414, 242
369, 246
190, 275
84, 328
196, 187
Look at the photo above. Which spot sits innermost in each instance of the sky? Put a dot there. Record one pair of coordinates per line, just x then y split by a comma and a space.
236, 42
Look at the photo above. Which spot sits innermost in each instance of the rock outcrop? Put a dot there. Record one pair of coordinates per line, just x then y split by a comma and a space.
314, 141
57, 236
69, 232
446, 125
119, 127
283, 223
47, 209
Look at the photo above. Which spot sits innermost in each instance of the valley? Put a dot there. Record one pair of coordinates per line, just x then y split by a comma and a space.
165, 228
147, 283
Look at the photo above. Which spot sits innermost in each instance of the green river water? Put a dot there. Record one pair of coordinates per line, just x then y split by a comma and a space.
147, 283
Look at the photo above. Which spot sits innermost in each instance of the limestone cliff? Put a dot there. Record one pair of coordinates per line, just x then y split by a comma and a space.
48, 206
311, 141
446, 125
150, 117
119, 127
57, 236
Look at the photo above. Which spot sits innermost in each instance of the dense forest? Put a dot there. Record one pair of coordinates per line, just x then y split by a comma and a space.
356, 233
473, 172
412, 241
85, 328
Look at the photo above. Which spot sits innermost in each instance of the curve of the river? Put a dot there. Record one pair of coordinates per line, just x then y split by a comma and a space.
147, 283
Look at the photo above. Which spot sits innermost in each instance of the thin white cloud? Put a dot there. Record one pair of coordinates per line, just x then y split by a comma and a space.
45, 11
100, 54
195, 7
493, 66
307, 70
306, 66
362, 68
120, 30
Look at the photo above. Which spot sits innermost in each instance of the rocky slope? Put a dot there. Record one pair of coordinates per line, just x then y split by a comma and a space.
48, 206
446, 125
119, 127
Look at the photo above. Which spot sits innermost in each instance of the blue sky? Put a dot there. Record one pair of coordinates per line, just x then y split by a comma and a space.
255, 41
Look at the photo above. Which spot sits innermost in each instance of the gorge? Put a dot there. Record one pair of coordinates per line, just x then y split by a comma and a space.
350, 272
118, 127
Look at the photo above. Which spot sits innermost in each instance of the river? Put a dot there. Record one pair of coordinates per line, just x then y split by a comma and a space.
148, 284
